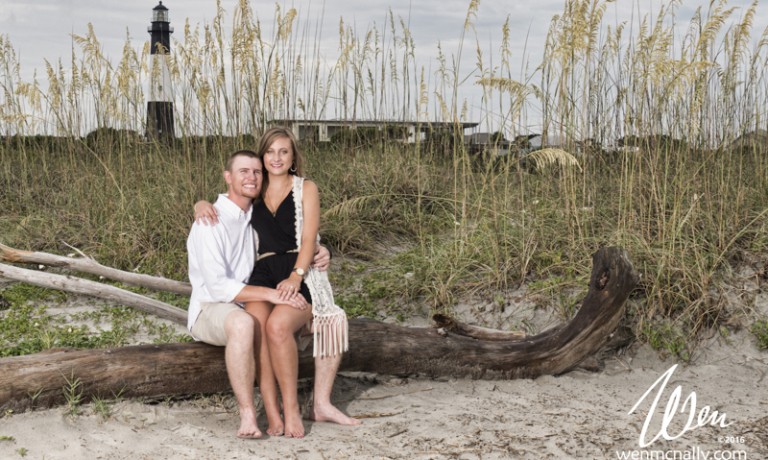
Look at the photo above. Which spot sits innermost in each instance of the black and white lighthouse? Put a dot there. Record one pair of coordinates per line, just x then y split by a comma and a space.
160, 103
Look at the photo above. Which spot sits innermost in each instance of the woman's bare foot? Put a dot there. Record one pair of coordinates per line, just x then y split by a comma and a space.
294, 428
276, 426
329, 413
276, 430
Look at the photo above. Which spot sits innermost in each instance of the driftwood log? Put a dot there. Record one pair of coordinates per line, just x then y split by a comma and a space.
87, 264
95, 289
159, 371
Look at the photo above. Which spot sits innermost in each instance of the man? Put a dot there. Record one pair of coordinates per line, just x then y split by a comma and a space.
221, 258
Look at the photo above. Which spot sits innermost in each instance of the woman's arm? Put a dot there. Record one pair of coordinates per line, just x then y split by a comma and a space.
205, 213
311, 207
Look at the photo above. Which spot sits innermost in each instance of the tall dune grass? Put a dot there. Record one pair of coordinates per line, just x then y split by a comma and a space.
685, 191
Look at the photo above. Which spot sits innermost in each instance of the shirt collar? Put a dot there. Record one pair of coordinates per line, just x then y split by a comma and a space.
230, 209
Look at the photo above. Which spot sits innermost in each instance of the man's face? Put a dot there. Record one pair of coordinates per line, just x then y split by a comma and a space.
244, 180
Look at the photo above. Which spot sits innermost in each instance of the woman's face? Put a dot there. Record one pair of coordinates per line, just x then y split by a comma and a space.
278, 158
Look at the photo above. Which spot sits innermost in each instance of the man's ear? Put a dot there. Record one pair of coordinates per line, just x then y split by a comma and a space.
227, 177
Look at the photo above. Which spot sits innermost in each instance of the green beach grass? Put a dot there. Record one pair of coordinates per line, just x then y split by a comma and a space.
685, 193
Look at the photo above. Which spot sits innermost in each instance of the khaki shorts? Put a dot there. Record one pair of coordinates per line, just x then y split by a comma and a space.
209, 326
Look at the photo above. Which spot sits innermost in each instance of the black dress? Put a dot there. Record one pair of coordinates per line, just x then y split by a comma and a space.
277, 234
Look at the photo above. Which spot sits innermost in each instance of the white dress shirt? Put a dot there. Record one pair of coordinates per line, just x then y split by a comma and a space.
221, 256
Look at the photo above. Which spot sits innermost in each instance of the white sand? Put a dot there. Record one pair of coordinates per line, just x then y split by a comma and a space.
579, 415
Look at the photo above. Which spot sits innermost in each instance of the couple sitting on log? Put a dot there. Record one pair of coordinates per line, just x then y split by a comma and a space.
259, 284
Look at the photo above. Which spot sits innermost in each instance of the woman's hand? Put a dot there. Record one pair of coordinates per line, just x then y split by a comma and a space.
296, 300
290, 287
205, 213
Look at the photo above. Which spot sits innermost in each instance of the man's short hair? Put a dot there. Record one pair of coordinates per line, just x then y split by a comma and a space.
240, 153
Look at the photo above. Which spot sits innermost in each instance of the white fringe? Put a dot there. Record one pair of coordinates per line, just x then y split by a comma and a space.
330, 335
331, 331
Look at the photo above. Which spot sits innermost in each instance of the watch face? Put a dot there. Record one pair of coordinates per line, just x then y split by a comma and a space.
300, 271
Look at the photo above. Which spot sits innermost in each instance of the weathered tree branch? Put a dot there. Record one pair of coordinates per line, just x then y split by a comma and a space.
89, 265
92, 288
476, 332
184, 369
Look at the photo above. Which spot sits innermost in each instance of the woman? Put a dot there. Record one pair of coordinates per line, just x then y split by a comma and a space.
286, 219
280, 266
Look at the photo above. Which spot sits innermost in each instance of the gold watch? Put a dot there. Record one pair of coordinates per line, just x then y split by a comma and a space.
299, 271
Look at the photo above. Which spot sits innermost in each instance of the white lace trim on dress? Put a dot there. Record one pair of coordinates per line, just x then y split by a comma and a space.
331, 332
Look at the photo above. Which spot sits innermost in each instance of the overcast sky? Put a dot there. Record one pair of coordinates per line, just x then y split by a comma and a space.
41, 29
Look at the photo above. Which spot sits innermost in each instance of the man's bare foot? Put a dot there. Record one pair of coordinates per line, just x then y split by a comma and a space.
248, 428
248, 431
294, 428
330, 413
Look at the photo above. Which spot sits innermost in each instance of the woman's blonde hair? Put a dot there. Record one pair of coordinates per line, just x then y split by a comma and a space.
269, 137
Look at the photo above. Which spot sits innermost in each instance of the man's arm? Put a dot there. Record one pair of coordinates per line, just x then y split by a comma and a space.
322, 258
208, 265
273, 296
207, 247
